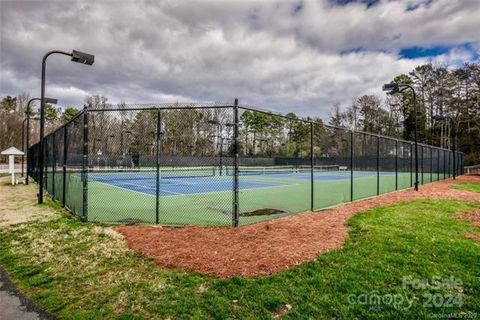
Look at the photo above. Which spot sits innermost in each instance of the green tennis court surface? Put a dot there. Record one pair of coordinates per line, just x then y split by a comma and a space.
207, 200
204, 195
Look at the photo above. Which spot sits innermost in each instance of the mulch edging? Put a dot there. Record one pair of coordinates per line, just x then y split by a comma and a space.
268, 247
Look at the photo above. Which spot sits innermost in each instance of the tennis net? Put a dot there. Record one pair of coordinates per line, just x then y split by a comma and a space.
272, 170
150, 173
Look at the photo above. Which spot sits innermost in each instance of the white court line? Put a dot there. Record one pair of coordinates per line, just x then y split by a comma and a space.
199, 193
127, 189
178, 182
138, 185
276, 183
222, 181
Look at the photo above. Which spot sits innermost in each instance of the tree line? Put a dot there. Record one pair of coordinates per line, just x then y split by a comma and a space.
13, 112
189, 131
441, 91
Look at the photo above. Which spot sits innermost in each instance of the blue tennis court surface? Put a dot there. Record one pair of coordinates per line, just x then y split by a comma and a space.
184, 186
178, 186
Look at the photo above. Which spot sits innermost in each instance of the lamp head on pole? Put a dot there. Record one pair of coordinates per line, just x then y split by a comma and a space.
51, 100
391, 88
82, 57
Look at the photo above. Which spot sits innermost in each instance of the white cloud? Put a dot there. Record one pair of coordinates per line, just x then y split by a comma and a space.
258, 51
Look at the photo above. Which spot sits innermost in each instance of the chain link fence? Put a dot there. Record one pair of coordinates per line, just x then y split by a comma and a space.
211, 164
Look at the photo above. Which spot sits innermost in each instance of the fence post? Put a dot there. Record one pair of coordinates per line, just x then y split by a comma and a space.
157, 187
45, 167
431, 164
311, 166
26, 165
462, 168
352, 154
455, 164
459, 165
444, 164
85, 165
422, 162
54, 162
378, 165
438, 164
396, 164
236, 166
65, 153
449, 163
411, 165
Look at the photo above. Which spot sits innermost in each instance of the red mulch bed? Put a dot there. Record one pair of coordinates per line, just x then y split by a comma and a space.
268, 247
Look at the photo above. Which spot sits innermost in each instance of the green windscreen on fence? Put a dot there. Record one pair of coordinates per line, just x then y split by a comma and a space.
365, 179
58, 163
405, 165
387, 165
74, 166
332, 155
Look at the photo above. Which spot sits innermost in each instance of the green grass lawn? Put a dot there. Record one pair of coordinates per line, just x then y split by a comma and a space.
77, 271
475, 187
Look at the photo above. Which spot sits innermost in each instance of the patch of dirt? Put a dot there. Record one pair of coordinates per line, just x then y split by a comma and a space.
18, 204
268, 247
282, 311
473, 217
107, 231
472, 236
261, 212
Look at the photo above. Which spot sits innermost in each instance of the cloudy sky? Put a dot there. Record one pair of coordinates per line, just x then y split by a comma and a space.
300, 56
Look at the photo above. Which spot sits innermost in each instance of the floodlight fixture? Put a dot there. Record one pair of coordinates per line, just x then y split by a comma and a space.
391, 88
51, 100
82, 57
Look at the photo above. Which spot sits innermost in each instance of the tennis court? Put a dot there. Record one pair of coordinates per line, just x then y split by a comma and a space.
202, 195
174, 165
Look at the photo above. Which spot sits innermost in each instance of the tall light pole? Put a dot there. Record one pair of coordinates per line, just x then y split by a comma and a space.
395, 88
23, 144
454, 135
77, 56
27, 119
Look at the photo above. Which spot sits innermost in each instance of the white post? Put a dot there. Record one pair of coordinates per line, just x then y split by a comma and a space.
11, 167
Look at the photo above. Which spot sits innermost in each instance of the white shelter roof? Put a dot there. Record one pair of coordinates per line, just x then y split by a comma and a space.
12, 151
